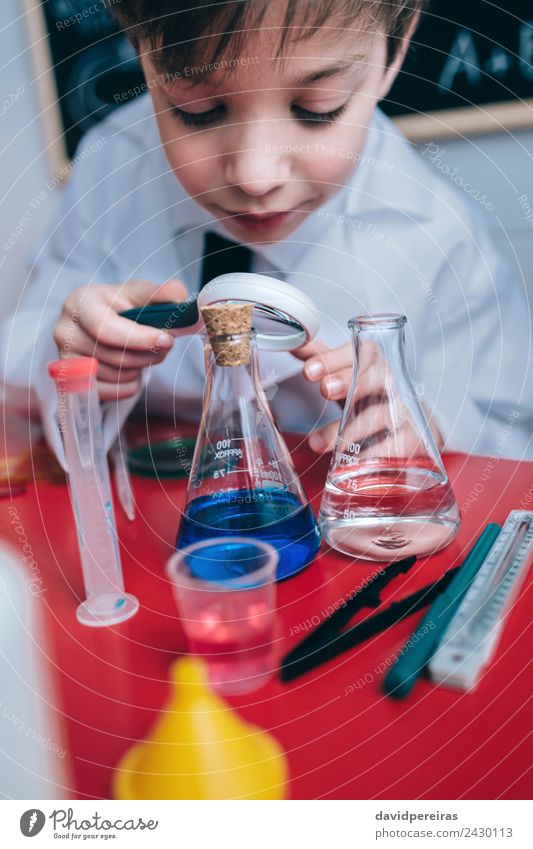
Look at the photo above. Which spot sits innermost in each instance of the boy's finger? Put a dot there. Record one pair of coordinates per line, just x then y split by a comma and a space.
106, 327
323, 439
117, 391
310, 349
111, 374
373, 420
400, 442
141, 292
335, 386
374, 380
83, 345
333, 359
170, 292
326, 362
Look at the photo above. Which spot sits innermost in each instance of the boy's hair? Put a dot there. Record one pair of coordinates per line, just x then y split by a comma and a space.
186, 33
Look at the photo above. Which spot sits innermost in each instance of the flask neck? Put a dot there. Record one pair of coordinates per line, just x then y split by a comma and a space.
231, 363
379, 335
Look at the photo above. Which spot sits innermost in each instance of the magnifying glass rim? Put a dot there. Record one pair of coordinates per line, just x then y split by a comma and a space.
272, 294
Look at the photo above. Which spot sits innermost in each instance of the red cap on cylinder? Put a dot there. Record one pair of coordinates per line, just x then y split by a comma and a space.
73, 374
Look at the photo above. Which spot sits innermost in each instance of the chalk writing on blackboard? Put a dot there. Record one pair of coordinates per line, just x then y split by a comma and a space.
467, 54
464, 58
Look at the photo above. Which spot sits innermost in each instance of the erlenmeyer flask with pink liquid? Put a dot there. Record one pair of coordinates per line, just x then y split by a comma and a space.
387, 494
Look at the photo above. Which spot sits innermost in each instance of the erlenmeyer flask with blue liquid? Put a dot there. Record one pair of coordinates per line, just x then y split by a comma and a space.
242, 480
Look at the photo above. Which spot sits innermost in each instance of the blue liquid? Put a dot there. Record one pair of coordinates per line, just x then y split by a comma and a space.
272, 516
226, 561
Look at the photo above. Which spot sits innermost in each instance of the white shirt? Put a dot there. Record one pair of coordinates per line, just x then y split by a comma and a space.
396, 238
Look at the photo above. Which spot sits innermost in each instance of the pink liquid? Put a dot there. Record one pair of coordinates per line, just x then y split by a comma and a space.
388, 511
236, 644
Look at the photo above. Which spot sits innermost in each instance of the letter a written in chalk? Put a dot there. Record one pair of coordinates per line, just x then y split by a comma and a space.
463, 59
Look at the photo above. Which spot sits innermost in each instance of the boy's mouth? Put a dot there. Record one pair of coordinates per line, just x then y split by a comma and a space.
260, 220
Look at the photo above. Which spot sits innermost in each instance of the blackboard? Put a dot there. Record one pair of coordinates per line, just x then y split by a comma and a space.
470, 70
90, 61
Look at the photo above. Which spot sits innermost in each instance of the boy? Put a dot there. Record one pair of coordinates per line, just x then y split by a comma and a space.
260, 124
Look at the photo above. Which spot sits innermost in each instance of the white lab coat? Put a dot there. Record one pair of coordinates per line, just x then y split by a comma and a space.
397, 238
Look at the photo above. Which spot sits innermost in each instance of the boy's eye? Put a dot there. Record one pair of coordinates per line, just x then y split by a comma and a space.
317, 117
200, 119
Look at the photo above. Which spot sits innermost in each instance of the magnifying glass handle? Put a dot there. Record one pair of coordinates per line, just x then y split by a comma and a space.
167, 316
295, 316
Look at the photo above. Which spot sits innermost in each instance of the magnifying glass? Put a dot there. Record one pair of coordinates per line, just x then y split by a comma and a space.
284, 318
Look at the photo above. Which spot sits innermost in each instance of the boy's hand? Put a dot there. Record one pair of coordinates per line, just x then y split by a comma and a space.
89, 326
372, 424
333, 367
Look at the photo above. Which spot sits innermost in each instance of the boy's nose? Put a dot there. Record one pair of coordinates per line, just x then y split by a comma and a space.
257, 170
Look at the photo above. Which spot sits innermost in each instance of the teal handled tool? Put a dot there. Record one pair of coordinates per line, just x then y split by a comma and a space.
170, 316
284, 317
472, 635
423, 643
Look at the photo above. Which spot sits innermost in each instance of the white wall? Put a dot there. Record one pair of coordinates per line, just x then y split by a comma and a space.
24, 170
501, 168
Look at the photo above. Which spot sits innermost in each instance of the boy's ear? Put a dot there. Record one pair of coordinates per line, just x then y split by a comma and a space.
393, 69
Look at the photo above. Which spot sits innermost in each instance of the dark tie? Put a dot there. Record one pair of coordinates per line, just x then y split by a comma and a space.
222, 256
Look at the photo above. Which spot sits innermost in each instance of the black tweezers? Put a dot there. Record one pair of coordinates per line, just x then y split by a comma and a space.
328, 641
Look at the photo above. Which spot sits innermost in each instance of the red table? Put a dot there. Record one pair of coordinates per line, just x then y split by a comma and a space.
344, 739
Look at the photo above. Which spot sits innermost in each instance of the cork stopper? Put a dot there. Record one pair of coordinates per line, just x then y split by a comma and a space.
228, 326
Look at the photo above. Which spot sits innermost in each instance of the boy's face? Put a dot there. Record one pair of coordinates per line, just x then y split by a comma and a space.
262, 145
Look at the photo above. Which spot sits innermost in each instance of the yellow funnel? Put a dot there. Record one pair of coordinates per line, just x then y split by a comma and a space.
201, 749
